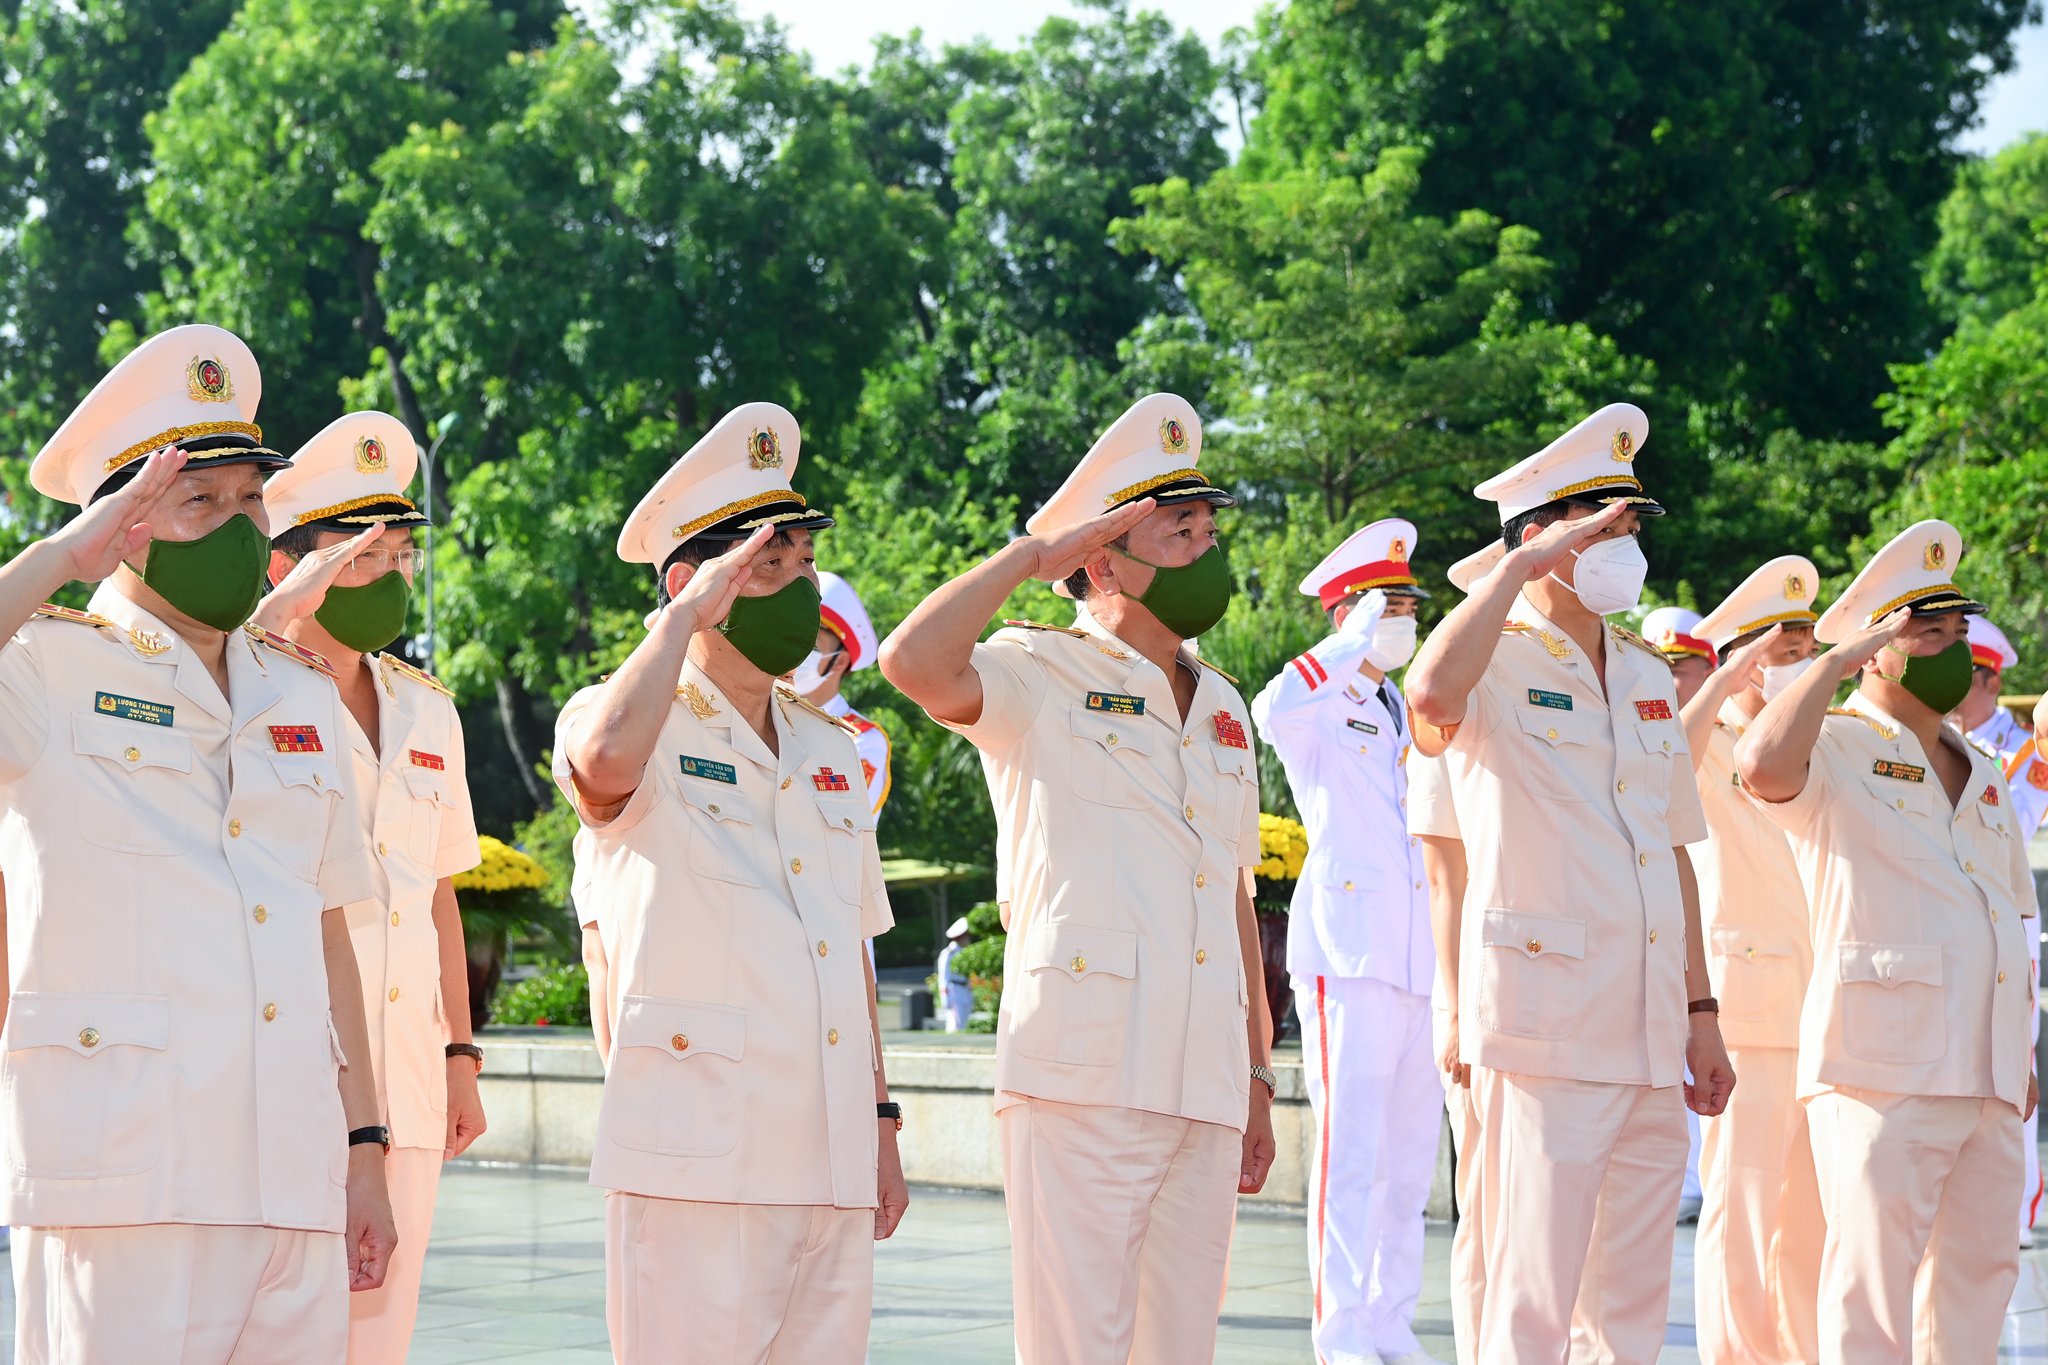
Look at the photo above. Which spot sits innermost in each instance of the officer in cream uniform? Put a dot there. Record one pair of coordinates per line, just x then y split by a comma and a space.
846, 644
1914, 1061
179, 837
1362, 970
1572, 786
1756, 1261
1997, 733
1132, 1095
344, 559
745, 1134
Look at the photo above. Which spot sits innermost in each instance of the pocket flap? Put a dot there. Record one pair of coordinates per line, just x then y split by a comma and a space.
845, 814
1535, 936
1992, 817
1738, 944
425, 784
1659, 736
682, 1028
1082, 950
315, 772
1551, 725
1231, 762
723, 803
88, 1024
1888, 964
1901, 794
131, 745
1116, 734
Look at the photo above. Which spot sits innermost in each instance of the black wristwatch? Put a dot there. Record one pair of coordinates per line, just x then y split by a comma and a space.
890, 1110
359, 1137
469, 1050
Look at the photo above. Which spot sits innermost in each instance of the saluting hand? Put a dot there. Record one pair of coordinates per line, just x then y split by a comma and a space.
1059, 555
1366, 614
716, 584
303, 591
1539, 556
1860, 648
116, 528
1745, 667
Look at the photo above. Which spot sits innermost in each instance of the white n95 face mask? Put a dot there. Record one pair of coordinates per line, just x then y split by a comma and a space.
1610, 575
1778, 677
1393, 642
810, 674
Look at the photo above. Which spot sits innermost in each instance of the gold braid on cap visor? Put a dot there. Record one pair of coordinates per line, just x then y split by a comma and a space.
1741, 631
1587, 485
340, 508
733, 509
174, 435
1139, 490
1920, 597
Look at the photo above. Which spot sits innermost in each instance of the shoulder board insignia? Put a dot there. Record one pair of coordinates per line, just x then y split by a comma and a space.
1629, 637
1078, 634
1882, 729
1217, 671
1981, 747
290, 650
789, 695
425, 679
860, 723
50, 611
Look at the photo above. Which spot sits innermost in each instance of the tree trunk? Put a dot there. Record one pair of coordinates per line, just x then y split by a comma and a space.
515, 718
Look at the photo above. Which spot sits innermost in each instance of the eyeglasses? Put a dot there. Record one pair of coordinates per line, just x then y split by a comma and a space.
380, 562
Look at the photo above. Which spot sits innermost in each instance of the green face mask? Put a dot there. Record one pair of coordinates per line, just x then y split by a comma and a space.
368, 617
1938, 681
776, 632
216, 579
1190, 598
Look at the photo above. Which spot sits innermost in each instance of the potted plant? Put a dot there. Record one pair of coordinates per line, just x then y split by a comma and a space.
1283, 848
504, 898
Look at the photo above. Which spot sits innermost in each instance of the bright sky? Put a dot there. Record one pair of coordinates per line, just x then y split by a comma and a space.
839, 33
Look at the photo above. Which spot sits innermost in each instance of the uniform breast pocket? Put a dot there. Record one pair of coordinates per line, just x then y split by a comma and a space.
721, 824
848, 822
1757, 980
1902, 812
306, 785
1891, 1002
1553, 740
138, 796
428, 793
1075, 1000
1108, 754
1532, 977
87, 1084
1227, 794
674, 1086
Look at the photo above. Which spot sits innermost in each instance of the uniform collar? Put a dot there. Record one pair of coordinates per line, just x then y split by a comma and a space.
2002, 732
153, 641
696, 690
1141, 677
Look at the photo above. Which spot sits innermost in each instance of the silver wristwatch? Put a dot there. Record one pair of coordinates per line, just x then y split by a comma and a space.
1264, 1075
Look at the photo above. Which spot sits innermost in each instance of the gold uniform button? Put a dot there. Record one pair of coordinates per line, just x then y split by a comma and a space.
394, 994
394, 919
1902, 803
1642, 860
1994, 917
1349, 887
823, 947
1667, 746
832, 1036
2001, 978
1190, 812
786, 781
1201, 956
88, 1037
134, 754
1749, 952
1201, 880
1969, 867
1361, 748
1112, 736
713, 808
1186, 741
269, 1013
1653, 936
848, 822
1552, 735
1535, 946
316, 780
1621, 786
796, 865
261, 913
382, 852
1079, 964
680, 1042
234, 829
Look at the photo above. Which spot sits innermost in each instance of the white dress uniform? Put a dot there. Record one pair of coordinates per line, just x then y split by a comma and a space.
1122, 1066
1362, 961
956, 992
2013, 746
1913, 1049
1573, 798
174, 1137
737, 1133
846, 616
1756, 1260
417, 818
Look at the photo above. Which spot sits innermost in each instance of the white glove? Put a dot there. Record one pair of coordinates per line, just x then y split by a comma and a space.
1366, 615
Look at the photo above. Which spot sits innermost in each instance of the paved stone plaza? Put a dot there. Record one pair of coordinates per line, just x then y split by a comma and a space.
517, 1273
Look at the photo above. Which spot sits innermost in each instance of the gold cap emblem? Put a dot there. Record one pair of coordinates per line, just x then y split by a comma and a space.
1173, 437
1397, 552
370, 456
764, 449
1936, 557
1623, 446
208, 381
1795, 587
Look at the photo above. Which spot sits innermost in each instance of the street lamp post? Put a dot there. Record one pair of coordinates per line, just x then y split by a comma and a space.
447, 425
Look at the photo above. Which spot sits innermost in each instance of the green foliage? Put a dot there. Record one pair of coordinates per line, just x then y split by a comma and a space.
1994, 234
981, 962
559, 996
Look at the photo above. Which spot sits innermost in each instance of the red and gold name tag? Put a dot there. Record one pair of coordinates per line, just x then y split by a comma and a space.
1230, 731
1657, 709
2037, 775
296, 739
1990, 796
422, 759
825, 780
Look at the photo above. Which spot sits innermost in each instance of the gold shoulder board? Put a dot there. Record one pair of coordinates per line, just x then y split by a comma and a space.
50, 611
296, 652
1040, 625
1217, 671
424, 679
1513, 627
1885, 730
789, 695
1629, 637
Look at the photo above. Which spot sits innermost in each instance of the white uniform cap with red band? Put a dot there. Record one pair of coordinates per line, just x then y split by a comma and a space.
1592, 463
194, 387
846, 617
1915, 570
1374, 556
1149, 452
351, 476
1988, 646
1780, 591
735, 479
1675, 633
1476, 565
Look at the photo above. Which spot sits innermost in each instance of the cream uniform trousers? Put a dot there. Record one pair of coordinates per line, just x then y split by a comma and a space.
380, 1320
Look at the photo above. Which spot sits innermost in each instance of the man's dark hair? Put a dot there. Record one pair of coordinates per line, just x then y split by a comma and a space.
297, 541
1539, 517
696, 550
1077, 581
